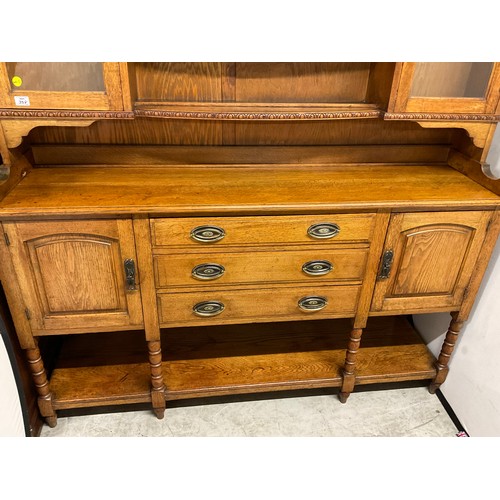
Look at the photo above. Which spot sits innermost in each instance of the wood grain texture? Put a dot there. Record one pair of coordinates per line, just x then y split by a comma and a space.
15, 171
101, 369
149, 131
434, 254
96, 370
256, 266
479, 131
379, 83
474, 170
71, 273
14, 295
337, 132
179, 81
301, 82
376, 245
251, 190
139, 131
16, 130
251, 305
91, 260
146, 278
205, 155
253, 358
432, 260
245, 231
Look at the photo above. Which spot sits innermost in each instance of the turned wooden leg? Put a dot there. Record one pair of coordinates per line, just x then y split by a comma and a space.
157, 385
445, 354
42, 386
349, 364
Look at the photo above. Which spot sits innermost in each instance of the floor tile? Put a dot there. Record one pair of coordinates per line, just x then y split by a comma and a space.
398, 412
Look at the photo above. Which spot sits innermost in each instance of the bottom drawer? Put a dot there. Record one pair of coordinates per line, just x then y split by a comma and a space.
250, 306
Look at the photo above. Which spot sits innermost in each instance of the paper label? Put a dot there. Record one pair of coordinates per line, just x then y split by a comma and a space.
22, 100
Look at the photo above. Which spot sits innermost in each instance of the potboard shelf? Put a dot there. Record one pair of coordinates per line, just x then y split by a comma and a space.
222, 360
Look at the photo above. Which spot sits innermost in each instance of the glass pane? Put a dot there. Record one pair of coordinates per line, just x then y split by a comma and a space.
56, 76
451, 79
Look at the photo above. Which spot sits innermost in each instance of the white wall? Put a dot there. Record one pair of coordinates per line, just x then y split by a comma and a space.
11, 419
473, 384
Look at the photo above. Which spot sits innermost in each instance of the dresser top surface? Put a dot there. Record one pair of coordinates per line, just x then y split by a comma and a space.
188, 190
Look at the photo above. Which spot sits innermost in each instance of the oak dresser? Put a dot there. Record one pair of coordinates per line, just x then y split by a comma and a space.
183, 230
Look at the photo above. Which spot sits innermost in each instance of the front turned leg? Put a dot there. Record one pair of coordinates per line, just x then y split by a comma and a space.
157, 385
350, 364
42, 386
446, 351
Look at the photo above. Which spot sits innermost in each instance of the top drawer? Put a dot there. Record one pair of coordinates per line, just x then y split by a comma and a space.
302, 229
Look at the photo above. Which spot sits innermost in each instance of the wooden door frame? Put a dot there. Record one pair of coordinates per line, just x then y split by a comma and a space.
381, 304
402, 102
111, 99
131, 317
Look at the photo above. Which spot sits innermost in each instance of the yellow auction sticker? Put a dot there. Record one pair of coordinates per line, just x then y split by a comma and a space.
17, 81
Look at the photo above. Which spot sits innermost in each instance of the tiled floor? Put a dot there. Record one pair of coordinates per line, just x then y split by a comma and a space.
408, 412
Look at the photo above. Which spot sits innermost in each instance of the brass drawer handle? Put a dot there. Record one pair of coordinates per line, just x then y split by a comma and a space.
207, 272
323, 230
208, 308
317, 267
207, 234
313, 303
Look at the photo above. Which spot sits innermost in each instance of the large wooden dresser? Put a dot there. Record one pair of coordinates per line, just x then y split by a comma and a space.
184, 230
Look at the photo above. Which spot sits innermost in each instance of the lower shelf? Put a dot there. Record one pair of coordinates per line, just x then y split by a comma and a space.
111, 368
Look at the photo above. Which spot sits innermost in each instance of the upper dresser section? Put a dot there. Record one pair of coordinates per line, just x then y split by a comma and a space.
252, 91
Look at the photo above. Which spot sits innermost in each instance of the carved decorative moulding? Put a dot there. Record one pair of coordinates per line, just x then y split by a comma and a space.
16, 113
207, 115
441, 117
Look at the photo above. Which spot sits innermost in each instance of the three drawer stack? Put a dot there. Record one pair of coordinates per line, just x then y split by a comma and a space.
225, 270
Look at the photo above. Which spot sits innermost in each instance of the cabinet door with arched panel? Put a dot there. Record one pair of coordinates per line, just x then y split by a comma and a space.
428, 261
76, 276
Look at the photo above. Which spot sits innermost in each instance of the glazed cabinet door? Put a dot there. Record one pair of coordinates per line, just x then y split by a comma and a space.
61, 85
428, 260
447, 87
76, 276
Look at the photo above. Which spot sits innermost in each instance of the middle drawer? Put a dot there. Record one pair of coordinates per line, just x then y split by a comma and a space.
204, 269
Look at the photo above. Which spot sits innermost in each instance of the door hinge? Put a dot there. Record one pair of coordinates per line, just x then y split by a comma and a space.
27, 313
6, 237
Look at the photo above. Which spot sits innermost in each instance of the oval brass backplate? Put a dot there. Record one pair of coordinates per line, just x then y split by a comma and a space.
317, 267
208, 308
207, 234
313, 303
208, 271
323, 230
